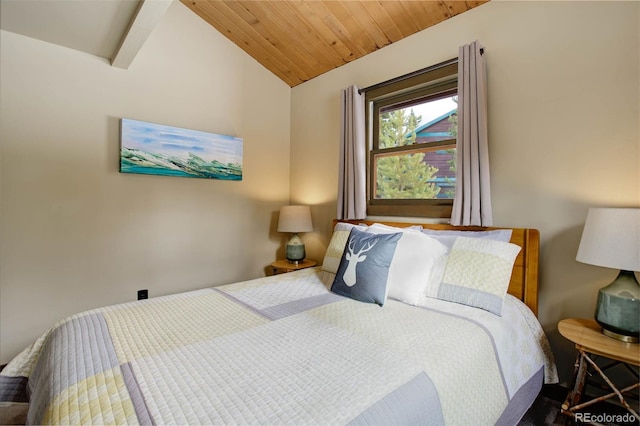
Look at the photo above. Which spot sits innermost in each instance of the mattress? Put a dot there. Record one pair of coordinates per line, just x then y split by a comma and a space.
283, 350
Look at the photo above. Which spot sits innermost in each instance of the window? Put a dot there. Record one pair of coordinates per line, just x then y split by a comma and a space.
411, 131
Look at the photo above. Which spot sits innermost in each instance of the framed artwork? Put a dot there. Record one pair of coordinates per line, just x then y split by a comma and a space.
156, 149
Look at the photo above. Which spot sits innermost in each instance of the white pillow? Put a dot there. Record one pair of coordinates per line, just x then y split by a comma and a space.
412, 264
336, 246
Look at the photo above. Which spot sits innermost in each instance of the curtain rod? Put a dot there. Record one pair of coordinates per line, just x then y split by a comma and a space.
412, 74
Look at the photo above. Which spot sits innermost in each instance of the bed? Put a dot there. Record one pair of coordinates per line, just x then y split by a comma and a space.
301, 348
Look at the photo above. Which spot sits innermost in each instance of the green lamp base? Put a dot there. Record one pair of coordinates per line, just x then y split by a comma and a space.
618, 308
294, 251
617, 336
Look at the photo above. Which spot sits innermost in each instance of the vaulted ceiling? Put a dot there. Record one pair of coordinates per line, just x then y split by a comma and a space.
297, 40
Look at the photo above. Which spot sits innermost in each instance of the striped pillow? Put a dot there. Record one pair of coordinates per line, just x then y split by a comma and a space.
477, 273
337, 244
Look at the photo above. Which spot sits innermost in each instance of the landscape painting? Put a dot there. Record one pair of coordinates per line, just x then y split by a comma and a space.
156, 149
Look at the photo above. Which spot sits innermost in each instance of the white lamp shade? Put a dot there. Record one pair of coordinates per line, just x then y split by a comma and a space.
295, 219
611, 238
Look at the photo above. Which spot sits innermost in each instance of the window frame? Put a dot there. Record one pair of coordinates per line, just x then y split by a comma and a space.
434, 83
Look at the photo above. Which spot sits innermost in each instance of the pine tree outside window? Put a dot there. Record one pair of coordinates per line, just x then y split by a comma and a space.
412, 127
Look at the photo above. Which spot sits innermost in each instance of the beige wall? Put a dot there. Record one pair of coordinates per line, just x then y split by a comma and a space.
564, 106
77, 234
564, 114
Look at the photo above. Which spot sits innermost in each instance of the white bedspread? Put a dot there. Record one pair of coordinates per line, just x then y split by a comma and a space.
283, 350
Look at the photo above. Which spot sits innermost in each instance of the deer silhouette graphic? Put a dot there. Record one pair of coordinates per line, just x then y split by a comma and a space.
349, 276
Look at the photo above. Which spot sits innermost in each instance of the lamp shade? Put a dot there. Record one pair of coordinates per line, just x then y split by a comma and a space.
611, 238
295, 219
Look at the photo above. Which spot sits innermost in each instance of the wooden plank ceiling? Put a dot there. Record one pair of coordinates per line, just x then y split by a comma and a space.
298, 40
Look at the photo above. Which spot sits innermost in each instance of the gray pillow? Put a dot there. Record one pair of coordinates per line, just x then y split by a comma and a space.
364, 266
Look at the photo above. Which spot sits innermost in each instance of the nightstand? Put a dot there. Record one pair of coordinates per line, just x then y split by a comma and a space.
283, 266
591, 343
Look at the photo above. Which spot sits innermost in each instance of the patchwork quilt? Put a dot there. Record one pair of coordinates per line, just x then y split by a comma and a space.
283, 350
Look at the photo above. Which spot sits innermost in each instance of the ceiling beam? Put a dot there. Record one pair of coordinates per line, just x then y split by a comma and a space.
145, 20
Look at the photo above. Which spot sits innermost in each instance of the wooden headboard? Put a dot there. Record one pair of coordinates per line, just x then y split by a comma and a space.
524, 278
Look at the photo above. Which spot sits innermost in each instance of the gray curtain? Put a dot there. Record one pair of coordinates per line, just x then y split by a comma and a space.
352, 197
472, 204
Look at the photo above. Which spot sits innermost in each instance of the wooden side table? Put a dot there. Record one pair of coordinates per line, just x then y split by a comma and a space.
590, 342
283, 266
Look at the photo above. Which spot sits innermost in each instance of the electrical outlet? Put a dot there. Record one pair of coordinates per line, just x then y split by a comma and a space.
143, 294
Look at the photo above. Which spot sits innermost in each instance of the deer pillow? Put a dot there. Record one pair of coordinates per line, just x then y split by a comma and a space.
364, 267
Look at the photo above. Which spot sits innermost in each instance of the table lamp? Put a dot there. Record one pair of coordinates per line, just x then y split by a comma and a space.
611, 238
295, 219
